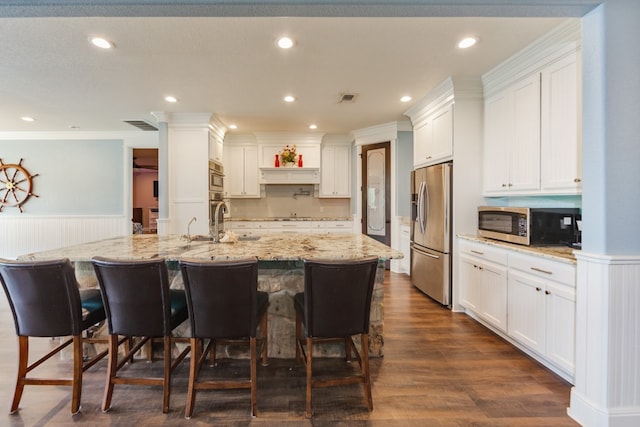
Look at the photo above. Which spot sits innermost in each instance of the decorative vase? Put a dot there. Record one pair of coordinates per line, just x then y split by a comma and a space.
299, 160
288, 164
277, 162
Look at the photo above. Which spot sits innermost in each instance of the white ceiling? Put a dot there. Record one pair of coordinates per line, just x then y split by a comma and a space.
232, 68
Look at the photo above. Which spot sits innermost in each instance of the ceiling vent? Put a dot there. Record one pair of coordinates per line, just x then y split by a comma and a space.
347, 98
142, 125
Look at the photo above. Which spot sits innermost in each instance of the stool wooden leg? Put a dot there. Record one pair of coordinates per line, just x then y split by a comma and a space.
23, 361
309, 377
112, 369
76, 384
196, 354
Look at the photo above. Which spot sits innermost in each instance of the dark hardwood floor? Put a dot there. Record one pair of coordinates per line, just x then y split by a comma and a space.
440, 369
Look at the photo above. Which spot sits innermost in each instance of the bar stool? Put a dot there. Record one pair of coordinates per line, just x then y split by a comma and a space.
334, 307
45, 302
224, 307
139, 303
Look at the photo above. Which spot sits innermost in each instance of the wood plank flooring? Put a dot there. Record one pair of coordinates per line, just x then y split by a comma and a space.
440, 369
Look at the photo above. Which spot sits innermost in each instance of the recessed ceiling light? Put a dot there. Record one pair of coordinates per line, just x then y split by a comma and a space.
289, 98
233, 126
101, 43
285, 43
405, 98
313, 126
467, 42
28, 119
170, 98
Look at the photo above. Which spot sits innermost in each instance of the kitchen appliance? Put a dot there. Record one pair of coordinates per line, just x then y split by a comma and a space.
530, 226
216, 177
431, 231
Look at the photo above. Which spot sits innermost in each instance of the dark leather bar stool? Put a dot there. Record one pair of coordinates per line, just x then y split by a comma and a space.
139, 303
224, 307
46, 302
334, 307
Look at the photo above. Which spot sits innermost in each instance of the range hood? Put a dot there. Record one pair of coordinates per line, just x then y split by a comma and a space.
289, 175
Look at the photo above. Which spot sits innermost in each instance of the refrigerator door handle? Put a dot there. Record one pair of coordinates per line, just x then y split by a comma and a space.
421, 204
424, 253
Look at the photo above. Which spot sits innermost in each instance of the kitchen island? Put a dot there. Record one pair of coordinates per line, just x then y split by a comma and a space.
280, 271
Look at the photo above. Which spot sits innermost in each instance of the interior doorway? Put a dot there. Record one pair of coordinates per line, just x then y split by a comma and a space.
376, 192
145, 190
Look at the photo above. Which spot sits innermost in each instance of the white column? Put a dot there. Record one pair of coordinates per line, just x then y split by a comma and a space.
607, 382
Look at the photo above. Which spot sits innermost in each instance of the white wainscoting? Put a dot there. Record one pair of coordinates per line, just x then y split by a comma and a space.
607, 386
21, 235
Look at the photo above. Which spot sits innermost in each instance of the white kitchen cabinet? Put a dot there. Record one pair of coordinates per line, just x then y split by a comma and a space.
541, 307
512, 138
335, 171
337, 226
483, 279
561, 124
532, 139
215, 147
433, 136
241, 171
528, 299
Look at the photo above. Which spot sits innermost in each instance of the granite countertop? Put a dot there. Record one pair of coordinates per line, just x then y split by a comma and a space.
290, 218
558, 253
269, 247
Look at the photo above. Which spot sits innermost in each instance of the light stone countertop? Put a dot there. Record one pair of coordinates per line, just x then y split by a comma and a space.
556, 253
269, 247
290, 218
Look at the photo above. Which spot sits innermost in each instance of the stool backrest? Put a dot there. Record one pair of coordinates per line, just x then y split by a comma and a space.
221, 297
337, 296
136, 296
43, 296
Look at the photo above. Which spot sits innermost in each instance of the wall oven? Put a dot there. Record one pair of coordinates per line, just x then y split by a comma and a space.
530, 226
216, 177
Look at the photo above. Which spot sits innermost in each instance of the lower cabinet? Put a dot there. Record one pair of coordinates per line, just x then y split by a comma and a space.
247, 228
483, 275
541, 308
528, 299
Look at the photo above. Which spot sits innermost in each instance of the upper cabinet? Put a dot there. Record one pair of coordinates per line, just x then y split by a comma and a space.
532, 120
335, 171
241, 170
561, 124
432, 132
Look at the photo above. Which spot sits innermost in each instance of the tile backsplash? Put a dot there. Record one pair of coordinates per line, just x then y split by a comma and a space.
279, 201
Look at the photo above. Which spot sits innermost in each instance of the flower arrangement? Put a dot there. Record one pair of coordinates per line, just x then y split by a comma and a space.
288, 154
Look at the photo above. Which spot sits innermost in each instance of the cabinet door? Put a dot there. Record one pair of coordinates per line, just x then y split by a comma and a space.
561, 139
422, 140
442, 142
250, 173
560, 316
335, 171
525, 147
241, 171
234, 170
470, 284
527, 310
494, 295
498, 130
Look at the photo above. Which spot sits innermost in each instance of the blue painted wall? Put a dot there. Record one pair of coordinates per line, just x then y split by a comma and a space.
80, 177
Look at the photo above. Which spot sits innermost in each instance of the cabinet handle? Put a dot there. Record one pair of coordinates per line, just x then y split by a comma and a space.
577, 180
541, 270
428, 157
477, 252
538, 289
547, 292
510, 185
504, 185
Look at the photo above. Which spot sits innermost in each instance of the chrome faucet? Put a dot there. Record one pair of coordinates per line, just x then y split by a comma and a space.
188, 227
216, 215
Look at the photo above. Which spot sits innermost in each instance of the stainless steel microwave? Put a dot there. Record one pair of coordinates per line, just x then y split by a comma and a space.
530, 226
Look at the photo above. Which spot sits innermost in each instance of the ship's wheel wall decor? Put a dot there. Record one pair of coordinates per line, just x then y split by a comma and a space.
15, 185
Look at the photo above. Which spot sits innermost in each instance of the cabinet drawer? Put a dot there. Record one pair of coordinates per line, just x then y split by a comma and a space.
545, 268
482, 251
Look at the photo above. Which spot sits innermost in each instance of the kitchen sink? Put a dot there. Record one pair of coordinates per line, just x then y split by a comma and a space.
248, 238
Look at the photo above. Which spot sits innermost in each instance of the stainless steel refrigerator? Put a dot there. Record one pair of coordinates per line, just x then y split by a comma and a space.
431, 231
